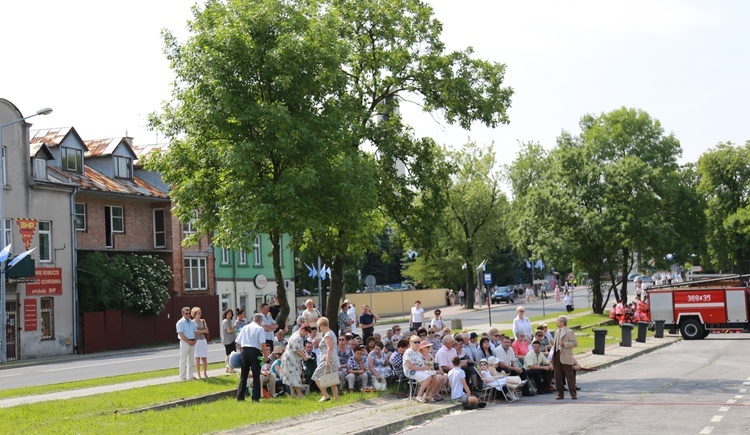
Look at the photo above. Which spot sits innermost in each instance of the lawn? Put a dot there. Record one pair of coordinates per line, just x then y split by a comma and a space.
88, 383
107, 413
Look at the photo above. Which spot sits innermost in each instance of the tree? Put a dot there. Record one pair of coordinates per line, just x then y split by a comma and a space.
250, 121
607, 194
724, 173
472, 225
269, 96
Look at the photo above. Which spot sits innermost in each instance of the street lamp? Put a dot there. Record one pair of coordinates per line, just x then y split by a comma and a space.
3, 332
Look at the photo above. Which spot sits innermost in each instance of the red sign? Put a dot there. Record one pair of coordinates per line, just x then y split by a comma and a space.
27, 227
47, 282
30, 319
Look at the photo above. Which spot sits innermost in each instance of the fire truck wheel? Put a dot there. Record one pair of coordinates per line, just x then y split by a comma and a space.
691, 329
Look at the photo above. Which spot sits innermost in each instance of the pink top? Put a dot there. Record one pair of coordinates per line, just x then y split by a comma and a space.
520, 348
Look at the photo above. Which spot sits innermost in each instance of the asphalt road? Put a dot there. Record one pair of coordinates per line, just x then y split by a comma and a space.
691, 387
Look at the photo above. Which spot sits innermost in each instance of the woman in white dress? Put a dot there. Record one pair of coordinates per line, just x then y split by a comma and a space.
201, 345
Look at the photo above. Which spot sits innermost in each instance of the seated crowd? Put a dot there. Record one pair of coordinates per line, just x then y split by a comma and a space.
463, 365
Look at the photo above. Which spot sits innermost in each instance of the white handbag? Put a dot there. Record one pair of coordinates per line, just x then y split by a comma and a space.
330, 378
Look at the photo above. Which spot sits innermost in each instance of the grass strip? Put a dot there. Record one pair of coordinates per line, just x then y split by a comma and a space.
103, 413
97, 382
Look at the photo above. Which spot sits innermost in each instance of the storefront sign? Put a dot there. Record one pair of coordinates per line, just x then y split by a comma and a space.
27, 228
47, 282
260, 280
30, 319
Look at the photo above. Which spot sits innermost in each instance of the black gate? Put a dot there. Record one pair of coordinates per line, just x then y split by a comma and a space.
12, 329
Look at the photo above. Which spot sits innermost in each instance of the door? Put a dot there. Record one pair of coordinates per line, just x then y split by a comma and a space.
12, 331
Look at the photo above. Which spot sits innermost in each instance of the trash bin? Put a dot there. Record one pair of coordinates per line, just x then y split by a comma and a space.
600, 335
659, 333
642, 330
456, 324
627, 334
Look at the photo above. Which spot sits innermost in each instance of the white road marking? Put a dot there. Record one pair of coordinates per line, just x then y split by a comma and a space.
112, 362
8, 376
743, 390
731, 401
716, 418
724, 409
746, 383
706, 430
738, 397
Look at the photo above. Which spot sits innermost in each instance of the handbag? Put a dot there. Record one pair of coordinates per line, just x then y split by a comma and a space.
330, 378
208, 336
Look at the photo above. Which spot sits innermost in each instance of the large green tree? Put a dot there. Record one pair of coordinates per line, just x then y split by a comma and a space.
270, 95
606, 194
251, 120
472, 226
724, 173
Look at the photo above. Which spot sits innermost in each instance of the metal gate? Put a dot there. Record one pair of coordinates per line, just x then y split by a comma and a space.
12, 331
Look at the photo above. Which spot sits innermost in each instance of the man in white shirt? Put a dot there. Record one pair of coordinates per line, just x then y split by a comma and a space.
251, 339
416, 318
445, 355
186, 335
352, 313
509, 364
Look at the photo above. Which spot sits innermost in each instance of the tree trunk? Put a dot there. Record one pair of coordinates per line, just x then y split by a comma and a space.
596, 292
337, 290
625, 270
470, 287
275, 236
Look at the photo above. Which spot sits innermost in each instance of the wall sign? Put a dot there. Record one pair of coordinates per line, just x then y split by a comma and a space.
27, 228
260, 280
30, 319
47, 282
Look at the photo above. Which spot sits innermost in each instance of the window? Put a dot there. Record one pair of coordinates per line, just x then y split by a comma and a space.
72, 160
224, 256
256, 251
189, 227
114, 222
8, 232
80, 219
243, 258
48, 318
40, 169
45, 241
195, 274
160, 228
122, 167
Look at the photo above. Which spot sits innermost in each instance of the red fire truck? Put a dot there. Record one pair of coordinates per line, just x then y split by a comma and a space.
699, 308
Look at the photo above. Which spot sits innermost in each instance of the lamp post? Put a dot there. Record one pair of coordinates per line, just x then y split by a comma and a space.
3, 320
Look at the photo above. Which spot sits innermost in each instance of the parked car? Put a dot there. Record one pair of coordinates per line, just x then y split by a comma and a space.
633, 276
503, 294
646, 279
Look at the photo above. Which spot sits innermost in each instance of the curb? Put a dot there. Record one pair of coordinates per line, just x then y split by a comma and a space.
414, 420
206, 398
636, 354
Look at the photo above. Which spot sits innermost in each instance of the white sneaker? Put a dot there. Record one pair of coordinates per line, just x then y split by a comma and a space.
523, 382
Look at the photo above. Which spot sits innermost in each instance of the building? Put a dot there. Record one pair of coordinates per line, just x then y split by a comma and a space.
40, 309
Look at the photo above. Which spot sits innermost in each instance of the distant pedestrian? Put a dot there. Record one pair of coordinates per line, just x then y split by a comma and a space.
569, 302
228, 334
461, 296
557, 293
416, 318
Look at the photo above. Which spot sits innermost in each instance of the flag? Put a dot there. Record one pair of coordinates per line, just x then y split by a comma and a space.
539, 264
413, 254
20, 257
528, 265
5, 252
313, 272
464, 266
322, 272
482, 265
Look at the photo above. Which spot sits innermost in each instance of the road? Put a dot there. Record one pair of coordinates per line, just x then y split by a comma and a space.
77, 368
691, 387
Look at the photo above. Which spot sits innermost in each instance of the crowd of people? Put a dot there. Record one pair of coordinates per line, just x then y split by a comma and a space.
460, 366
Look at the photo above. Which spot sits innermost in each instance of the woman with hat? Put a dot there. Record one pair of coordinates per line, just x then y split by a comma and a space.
437, 324
426, 349
416, 368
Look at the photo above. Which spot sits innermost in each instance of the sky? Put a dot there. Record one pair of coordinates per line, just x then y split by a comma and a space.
100, 65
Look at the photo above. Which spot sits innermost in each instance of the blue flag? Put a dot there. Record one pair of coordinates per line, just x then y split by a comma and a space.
4, 253
20, 257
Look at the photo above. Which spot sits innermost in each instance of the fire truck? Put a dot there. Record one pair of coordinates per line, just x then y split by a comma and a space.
699, 308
